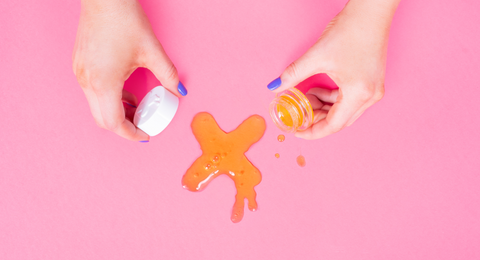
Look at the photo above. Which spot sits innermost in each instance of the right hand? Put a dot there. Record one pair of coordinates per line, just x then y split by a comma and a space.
352, 51
114, 38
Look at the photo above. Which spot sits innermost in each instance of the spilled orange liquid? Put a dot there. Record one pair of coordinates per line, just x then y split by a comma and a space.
281, 138
301, 161
277, 155
224, 153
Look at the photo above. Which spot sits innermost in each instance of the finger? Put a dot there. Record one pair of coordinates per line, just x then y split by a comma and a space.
304, 67
355, 117
94, 107
359, 113
129, 111
129, 98
113, 114
326, 107
337, 118
375, 98
316, 104
164, 70
325, 95
130, 104
319, 115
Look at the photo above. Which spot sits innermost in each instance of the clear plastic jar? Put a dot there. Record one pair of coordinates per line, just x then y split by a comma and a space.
291, 111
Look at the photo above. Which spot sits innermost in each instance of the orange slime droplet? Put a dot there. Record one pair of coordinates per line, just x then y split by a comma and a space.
224, 153
277, 155
281, 138
301, 161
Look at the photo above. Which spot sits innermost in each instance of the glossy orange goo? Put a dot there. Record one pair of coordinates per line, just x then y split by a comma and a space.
284, 114
281, 138
224, 153
277, 155
301, 161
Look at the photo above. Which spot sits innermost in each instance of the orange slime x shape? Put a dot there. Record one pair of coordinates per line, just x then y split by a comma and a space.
224, 153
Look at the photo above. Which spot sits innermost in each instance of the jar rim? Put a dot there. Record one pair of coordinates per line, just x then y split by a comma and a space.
304, 103
292, 110
301, 103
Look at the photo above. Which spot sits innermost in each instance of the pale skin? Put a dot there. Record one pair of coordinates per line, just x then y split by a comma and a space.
114, 38
352, 51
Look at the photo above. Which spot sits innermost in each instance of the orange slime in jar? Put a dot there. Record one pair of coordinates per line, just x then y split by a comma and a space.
285, 115
224, 153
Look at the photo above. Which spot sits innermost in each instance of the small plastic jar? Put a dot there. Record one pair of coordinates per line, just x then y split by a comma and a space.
291, 111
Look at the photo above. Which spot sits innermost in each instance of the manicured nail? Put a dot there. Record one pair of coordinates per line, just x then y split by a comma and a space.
131, 105
274, 84
145, 141
181, 88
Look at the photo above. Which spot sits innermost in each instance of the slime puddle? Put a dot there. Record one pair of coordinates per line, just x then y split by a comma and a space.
224, 153
281, 138
301, 161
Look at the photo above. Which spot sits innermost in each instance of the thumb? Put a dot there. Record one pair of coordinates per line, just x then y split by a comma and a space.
304, 67
162, 67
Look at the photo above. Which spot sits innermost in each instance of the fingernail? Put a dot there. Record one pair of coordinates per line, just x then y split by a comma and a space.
131, 105
274, 84
144, 141
181, 88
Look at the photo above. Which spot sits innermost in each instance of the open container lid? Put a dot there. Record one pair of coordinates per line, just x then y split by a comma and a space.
156, 111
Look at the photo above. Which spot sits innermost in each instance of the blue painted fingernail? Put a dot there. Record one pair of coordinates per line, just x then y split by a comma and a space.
274, 84
181, 88
131, 105
145, 141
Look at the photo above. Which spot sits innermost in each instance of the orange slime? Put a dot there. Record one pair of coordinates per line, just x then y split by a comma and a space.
224, 153
281, 138
301, 161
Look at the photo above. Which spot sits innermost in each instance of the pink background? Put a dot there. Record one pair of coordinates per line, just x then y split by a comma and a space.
401, 183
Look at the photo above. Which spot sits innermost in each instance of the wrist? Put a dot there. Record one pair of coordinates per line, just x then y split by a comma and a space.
106, 6
371, 18
381, 11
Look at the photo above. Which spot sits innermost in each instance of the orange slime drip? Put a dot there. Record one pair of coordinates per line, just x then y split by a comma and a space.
224, 153
281, 138
301, 161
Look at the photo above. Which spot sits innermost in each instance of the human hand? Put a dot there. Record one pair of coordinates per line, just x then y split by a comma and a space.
114, 38
352, 52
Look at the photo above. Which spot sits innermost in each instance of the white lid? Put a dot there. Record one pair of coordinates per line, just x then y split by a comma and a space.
156, 110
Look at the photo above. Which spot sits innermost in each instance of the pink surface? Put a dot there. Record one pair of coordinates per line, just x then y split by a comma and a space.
401, 183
